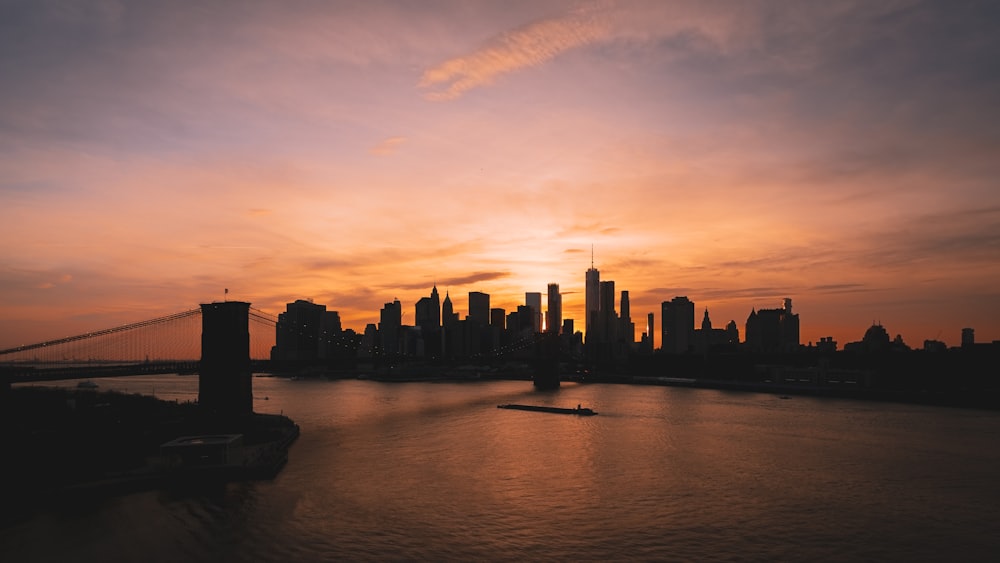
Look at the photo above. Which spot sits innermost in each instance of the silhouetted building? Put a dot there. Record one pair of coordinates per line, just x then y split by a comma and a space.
677, 319
607, 317
567, 326
553, 316
497, 318
626, 326
525, 321
307, 332
708, 339
368, 347
297, 332
650, 332
732, 335
411, 341
428, 319
225, 384
390, 323
426, 313
451, 338
826, 344
423, 313
435, 307
875, 340
935, 346
592, 299
898, 344
448, 314
477, 336
479, 307
968, 338
533, 299
773, 330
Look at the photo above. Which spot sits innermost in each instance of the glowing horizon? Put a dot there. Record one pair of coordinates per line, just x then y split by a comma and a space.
155, 154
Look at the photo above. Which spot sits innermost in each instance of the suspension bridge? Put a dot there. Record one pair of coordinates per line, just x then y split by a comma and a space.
167, 344
173, 344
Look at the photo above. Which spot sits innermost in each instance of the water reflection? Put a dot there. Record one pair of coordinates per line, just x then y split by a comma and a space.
436, 471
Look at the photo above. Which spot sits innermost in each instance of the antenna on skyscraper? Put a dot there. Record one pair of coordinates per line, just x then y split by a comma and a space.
591, 255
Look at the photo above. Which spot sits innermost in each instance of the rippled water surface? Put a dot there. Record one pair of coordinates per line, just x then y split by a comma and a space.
434, 471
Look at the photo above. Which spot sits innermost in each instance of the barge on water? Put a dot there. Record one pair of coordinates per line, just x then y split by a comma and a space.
579, 411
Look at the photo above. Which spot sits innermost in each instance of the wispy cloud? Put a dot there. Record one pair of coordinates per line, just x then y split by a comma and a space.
474, 277
528, 46
387, 146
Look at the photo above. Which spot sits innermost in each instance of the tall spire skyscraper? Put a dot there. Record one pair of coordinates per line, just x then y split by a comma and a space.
448, 316
593, 296
435, 306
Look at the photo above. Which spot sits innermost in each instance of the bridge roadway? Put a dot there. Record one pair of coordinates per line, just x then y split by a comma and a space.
20, 373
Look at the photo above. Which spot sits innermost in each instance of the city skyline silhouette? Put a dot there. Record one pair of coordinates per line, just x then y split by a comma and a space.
155, 154
459, 306
268, 270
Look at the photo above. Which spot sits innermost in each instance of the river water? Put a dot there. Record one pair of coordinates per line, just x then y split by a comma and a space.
434, 471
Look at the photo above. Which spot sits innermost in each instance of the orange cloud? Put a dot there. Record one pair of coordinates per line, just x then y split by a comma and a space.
528, 46
387, 146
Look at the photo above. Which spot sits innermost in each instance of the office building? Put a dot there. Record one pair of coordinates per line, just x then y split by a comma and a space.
773, 330
390, 322
553, 316
479, 308
677, 318
626, 326
533, 299
498, 318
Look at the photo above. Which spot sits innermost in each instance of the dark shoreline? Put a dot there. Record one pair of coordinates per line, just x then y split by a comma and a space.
64, 444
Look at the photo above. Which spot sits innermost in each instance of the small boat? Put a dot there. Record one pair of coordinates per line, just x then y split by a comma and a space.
579, 411
88, 384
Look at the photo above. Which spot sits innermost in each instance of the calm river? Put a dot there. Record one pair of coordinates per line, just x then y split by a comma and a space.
434, 471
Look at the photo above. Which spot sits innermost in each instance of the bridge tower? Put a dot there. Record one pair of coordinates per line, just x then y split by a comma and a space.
224, 383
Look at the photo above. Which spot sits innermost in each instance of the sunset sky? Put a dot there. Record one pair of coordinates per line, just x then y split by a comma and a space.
843, 154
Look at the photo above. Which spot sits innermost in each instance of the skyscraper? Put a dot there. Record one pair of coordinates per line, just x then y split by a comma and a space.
390, 321
424, 313
533, 299
593, 297
435, 307
448, 316
497, 318
606, 328
479, 307
627, 331
428, 311
677, 317
553, 317
650, 331
297, 332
